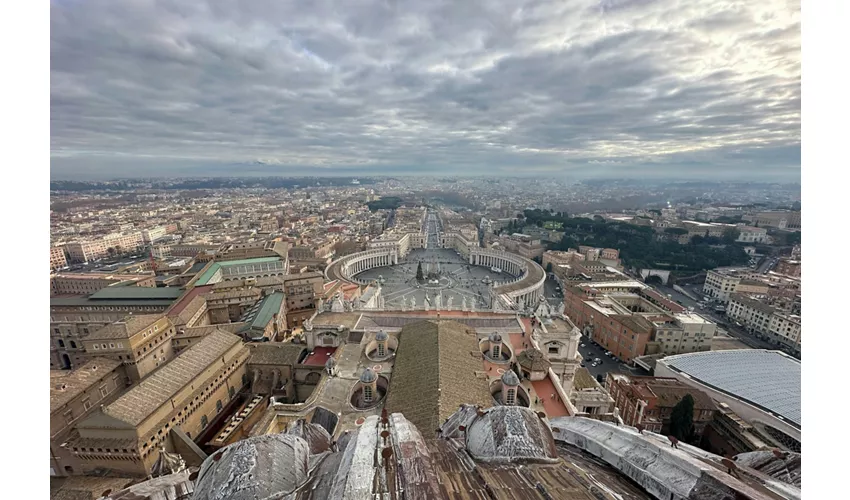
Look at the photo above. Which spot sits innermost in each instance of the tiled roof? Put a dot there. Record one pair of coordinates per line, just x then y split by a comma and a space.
272, 353
125, 328
434, 373
66, 387
144, 399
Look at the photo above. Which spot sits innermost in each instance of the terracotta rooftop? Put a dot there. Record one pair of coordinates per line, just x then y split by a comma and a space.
143, 400
434, 373
273, 353
67, 385
125, 328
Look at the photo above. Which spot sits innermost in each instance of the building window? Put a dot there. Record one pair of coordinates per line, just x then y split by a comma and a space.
218, 406
553, 349
230, 392
86, 404
103, 391
61, 343
95, 347
367, 393
204, 421
381, 349
69, 416
510, 396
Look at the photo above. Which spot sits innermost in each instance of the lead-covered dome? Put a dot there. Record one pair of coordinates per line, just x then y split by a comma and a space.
368, 376
509, 379
510, 434
381, 336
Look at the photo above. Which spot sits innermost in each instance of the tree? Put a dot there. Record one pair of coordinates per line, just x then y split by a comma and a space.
419, 276
682, 419
548, 267
730, 235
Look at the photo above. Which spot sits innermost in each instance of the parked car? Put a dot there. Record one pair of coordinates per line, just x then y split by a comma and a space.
597, 360
608, 353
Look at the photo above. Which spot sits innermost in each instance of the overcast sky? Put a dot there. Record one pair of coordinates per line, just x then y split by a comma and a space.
574, 88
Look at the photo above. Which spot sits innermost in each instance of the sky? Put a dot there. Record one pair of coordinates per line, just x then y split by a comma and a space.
568, 88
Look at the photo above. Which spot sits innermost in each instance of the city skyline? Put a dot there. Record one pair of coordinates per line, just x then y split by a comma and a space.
578, 89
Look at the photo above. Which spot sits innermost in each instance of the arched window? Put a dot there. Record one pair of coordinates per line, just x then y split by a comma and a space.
367, 393
497, 351
61, 343
381, 349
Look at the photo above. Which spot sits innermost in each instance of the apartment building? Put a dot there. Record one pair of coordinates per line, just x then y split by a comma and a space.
150, 235
766, 321
57, 258
722, 282
124, 242
680, 333
85, 251
175, 403
302, 292
649, 401
788, 267
74, 395
142, 343
88, 283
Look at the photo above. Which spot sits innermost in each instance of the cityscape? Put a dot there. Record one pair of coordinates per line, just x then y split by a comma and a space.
389, 250
190, 323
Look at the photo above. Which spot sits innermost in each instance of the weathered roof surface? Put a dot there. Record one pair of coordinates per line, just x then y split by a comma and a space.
271, 466
142, 400
202, 331
650, 461
315, 435
434, 373
208, 274
126, 328
175, 486
85, 487
273, 353
533, 360
786, 468
583, 380
510, 434
332, 319
137, 292
65, 388
768, 379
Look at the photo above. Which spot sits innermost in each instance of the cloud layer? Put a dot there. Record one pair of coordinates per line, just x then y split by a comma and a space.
477, 86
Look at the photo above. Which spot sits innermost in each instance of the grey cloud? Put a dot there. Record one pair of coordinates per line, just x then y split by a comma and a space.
468, 87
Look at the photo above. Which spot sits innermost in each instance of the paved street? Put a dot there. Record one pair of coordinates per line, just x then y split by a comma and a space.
591, 351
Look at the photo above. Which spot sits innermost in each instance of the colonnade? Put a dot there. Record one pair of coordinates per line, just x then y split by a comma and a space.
364, 263
502, 262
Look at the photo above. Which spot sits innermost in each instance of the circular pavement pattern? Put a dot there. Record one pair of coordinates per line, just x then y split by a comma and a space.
457, 280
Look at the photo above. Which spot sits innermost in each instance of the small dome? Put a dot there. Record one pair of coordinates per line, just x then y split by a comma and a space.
495, 337
510, 379
510, 434
533, 360
380, 336
368, 376
330, 363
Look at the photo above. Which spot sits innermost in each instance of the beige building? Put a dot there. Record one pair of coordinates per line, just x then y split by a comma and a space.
166, 410
680, 333
73, 396
74, 318
84, 251
750, 234
766, 321
722, 282
558, 258
87, 283
142, 343
57, 258
123, 242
